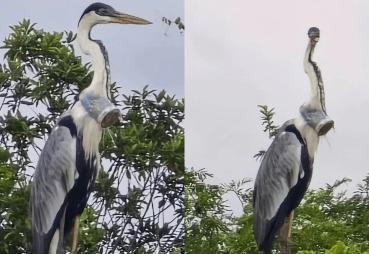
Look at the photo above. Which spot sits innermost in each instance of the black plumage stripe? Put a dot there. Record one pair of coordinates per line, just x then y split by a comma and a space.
79, 194
319, 80
67, 121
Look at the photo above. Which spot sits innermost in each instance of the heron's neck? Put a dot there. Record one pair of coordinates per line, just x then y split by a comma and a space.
308, 134
317, 99
100, 84
88, 128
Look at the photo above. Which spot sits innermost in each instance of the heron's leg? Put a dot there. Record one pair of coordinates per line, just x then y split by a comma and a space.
290, 219
285, 235
60, 249
75, 235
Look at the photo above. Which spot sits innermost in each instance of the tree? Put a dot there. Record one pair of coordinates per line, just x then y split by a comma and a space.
137, 202
205, 214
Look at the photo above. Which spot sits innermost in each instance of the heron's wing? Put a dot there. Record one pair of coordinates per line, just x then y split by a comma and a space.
53, 179
278, 173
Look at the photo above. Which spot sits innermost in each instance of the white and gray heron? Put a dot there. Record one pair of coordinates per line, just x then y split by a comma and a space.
286, 169
70, 160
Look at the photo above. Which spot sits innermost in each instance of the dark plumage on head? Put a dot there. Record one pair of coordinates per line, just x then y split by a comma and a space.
314, 32
109, 15
99, 8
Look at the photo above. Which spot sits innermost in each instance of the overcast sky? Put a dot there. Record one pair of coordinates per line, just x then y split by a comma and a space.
243, 53
139, 55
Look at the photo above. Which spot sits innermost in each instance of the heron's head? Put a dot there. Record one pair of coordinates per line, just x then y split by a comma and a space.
314, 35
317, 119
99, 13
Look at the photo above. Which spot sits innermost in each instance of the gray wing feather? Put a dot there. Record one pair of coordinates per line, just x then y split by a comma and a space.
278, 173
53, 179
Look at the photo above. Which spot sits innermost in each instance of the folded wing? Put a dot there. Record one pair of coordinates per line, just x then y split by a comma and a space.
280, 171
53, 179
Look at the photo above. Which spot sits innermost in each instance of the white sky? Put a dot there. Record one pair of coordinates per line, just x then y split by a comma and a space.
242, 53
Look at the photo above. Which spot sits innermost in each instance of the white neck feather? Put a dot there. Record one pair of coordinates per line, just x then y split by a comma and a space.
90, 47
308, 134
316, 101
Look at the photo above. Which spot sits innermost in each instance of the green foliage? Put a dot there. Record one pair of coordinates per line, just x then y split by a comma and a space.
327, 216
205, 214
57, 72
267, 116
91, 235
241, 239
268, 124
4, 155
14, 221
137, 203
148, 152
341, 248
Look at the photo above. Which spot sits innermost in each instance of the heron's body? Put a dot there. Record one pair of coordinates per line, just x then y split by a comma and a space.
70, 160
283, 179
67, 181
287, 166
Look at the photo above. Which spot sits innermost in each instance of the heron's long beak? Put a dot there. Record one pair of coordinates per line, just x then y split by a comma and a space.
123, 18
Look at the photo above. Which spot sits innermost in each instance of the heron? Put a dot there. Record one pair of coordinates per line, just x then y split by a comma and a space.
287, 166
70, 160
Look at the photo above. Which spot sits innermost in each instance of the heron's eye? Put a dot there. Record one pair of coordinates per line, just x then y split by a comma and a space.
102, 12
